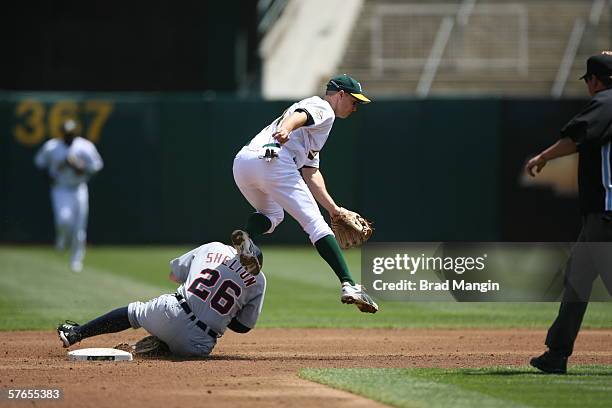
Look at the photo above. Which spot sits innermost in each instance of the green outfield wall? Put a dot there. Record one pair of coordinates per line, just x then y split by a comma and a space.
422, 170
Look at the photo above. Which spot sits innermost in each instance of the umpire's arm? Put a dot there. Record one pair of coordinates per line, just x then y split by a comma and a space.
563, 147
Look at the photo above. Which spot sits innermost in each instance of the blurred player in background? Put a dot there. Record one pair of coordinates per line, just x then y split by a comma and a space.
278, 170
216, 293
70, 162
590, 134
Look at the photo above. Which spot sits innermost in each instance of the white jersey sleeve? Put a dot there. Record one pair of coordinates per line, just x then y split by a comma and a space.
94, 162
312, 162
41, 160
319, 111
86, 151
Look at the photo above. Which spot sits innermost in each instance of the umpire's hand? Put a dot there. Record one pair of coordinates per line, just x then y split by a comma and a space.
538, 162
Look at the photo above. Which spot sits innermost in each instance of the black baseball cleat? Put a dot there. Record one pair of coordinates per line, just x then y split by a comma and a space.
67, 333
550, 362
247, 251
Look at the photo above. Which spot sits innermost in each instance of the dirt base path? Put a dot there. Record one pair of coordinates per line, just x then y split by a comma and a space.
260, 369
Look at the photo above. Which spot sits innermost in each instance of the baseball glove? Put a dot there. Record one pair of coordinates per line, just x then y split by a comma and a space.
351, 229
149, 346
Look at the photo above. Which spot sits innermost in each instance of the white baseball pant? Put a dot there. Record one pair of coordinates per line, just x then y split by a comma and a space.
274, 186
70, 210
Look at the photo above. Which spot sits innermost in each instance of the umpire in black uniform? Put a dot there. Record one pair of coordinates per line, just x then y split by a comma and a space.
589, 133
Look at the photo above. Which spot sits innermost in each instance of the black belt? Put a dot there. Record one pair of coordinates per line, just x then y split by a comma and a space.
192, 317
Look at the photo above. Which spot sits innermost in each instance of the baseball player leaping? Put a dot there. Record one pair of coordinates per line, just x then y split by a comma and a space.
279, 171
70, 161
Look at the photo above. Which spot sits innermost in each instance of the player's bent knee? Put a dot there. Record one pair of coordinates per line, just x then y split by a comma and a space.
192, 350
134, 309
81, 235
317, 229
65, 215
275, 220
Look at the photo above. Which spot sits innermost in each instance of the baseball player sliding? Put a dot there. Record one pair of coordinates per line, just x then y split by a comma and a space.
70, 161
279, 171
216, 293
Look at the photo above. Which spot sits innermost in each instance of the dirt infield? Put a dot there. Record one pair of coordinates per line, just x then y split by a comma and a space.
260, 369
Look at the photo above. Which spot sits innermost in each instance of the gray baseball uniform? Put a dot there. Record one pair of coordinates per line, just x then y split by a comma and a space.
215, 289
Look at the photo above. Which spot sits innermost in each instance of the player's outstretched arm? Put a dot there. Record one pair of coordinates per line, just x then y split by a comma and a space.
95, 163
315, 182
41, 161
563, 147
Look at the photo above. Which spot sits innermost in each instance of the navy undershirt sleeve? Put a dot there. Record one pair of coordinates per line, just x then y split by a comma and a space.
309, 120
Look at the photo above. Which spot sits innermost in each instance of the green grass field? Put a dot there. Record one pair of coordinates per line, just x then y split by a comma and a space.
586, 386
37, 290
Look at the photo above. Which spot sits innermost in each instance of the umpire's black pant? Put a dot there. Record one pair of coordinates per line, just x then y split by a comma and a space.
584, 265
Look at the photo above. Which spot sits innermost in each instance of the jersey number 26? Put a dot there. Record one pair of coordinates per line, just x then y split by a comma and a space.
222, 300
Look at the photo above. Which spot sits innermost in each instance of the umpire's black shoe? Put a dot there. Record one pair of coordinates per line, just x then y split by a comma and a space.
67, 333
550, 362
